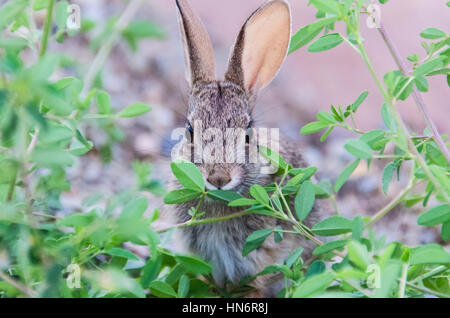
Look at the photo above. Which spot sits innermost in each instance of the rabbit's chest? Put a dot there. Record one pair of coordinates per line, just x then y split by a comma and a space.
221, 244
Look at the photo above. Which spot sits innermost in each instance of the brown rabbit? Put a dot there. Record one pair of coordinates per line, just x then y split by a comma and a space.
256, 57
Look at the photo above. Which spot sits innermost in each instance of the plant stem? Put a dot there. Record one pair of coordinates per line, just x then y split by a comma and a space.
297, 225
427, 290
415, 93
372, 71
402, 285
197, 208
431, 273
11, 188
47, 27
24, 289
402, 125
204, 221
109, 43
385, 210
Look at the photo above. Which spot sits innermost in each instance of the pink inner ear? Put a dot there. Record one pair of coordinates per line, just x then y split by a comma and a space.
267, 36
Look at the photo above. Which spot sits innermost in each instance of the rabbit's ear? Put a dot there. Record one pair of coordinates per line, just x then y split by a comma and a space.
198, 51
261, 46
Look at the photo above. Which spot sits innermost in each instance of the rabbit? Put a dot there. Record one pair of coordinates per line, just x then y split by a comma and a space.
256, 56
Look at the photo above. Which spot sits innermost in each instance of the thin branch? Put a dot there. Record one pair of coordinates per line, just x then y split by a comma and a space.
24, 289
415, 92
402, 285
109, 43
427, 290
47, 27
385, 210
33, 141
403, 129
203, 221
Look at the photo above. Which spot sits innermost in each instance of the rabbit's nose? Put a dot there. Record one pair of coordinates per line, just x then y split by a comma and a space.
218, 180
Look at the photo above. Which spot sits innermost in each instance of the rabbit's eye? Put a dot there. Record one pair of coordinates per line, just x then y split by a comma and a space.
248, 134
189, 132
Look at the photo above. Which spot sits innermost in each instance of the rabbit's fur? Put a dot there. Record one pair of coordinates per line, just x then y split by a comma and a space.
258, 52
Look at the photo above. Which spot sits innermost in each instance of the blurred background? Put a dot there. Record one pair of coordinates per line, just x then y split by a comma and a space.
307, 83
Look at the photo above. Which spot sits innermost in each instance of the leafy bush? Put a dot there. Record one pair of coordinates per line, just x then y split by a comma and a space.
42, 121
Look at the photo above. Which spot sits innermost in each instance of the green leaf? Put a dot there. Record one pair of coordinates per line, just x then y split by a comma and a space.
181, 195
333, 225
61, 14
162, 289
387, 117
429, 254
358, 254
151, 269
429, 66
314, 285
327, 6
304, 200
403, 88
175, 274
388, 172
432, 33
183, 286
255, 240
323, 189
445, 231
224, 195
64, 82
51, 157
56, 134
390, 272
103, 103
314, 127
325, 42
293, 257
194, 265
345, 174
77, 219
372, 137
120, 252
323, 116
421, 83
13, 44
437, 215
358, 148
278, 234
10, 10
317, 267
357, 228
242, 202
259, 193
326, 134
413, 58
277, 268
134, 110
329, 246
274, 158
144, 29
40, 4
134, 209
188, 174
308, 33
77, 148
359, 101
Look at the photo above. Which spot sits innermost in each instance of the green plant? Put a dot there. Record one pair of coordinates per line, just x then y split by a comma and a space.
357, 256
43, 125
